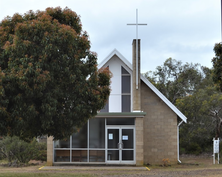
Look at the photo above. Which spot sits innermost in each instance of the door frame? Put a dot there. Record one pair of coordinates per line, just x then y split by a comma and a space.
120, 127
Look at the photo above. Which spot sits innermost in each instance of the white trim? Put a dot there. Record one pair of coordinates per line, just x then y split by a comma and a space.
88, 130
148, 83
178, 142
118, 54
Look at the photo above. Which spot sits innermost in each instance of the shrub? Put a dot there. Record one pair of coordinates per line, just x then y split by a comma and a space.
2, 156
194, 148
182, 150
5, 148
22, 151
15, 149
40, 152
190, 140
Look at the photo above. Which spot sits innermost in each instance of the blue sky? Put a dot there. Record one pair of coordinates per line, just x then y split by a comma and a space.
185, 30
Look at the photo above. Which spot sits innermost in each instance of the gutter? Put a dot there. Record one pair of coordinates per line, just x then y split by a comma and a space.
178, 148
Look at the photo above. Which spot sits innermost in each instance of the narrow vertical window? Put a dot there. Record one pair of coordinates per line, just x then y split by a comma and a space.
126, 90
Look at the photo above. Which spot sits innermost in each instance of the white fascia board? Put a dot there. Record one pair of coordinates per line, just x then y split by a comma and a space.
162, 97
121, 57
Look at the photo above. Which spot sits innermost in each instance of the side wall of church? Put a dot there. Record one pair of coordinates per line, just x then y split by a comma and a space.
160, 129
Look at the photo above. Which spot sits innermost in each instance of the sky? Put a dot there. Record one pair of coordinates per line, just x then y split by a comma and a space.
185, 30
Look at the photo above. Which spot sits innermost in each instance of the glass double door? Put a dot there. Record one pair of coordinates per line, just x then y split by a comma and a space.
120, 145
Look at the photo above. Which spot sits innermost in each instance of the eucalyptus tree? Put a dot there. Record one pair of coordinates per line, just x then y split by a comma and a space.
49, 81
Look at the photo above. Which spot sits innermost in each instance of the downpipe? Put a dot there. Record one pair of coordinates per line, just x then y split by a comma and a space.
178, 142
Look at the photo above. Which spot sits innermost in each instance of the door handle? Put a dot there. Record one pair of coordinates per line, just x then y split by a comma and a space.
120, 146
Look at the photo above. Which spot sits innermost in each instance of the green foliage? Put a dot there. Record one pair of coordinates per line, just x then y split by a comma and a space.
49, 82
217, 65
5, 148
191, 88
203, 110
194, 148
14, 148
195, 139
175, 79
40, 152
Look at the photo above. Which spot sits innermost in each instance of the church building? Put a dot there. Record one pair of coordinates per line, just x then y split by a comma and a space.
138, 125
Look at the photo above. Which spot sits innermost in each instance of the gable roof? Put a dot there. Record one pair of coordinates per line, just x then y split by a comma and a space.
119, 55
146, 81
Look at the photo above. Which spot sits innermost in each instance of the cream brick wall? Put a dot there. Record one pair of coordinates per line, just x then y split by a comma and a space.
136, 92
160, 128
49, 151
139, 141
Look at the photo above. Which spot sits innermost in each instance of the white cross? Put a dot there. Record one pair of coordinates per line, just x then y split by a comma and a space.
137, 45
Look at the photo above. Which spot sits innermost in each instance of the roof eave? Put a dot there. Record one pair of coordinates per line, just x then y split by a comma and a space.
121, 114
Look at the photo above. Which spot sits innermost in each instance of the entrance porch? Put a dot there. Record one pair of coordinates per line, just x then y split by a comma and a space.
105, 139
